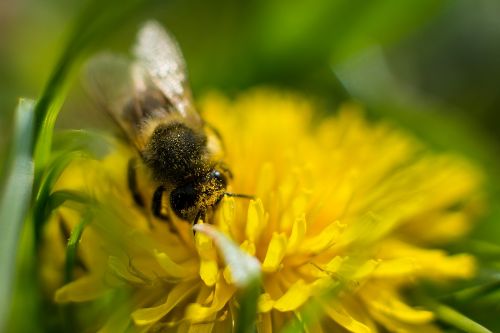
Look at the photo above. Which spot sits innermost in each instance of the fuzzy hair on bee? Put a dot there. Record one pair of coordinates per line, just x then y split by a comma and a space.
149, 99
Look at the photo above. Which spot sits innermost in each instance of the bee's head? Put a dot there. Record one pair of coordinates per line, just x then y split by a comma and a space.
198, 195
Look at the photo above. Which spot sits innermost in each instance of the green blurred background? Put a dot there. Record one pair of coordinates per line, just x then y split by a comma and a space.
432, 55
432, 66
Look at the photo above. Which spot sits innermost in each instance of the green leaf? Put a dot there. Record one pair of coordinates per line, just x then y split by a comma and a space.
14, 204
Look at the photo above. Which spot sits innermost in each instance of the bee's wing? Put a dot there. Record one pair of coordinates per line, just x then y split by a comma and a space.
109, 81
158, 53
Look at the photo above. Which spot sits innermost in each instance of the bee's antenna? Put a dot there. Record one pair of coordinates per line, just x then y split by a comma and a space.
239, 195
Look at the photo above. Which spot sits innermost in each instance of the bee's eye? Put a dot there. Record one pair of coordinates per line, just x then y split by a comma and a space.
183, 199
219, 177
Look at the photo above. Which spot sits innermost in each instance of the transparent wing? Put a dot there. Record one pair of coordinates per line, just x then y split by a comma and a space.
108, 79
158, 53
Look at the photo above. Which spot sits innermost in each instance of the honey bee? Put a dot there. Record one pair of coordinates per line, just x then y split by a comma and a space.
150, 100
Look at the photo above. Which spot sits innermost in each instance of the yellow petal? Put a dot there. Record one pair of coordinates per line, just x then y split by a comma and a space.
84, 289
344, 319
294, 297
366, 269
297, 209
175, 296
265, 180
208, 259
439, 227
395, 268
248, 247
384, 299
223, 292
256, 220
226, 214
228, 277
395, 325
170, 267
297, 235
265, 303
275, 253
324, 239
205, 246
122, 270
299, 204
334, 265
431, 263
343, 194
209, 271
265, 324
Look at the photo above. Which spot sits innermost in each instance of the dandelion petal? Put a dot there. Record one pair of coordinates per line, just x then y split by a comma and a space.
151, 315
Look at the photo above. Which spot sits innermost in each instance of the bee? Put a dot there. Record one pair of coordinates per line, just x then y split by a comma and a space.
150, 100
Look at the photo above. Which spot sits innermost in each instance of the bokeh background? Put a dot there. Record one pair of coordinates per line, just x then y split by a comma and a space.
431, 66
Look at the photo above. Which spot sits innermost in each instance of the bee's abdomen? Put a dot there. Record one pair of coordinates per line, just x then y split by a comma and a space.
175, 153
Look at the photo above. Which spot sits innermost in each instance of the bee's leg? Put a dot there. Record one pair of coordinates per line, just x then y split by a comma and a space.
156, 204
132, 182
199, 215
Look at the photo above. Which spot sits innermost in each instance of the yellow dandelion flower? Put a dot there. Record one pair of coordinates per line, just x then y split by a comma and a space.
337, 201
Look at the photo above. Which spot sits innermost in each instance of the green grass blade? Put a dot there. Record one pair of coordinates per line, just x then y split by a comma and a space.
41, 209
15, 201
96, 21
454, 318
248, 307
90, 142
58, 198
72, 246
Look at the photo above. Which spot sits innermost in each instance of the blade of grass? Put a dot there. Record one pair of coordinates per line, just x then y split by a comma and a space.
93, 25
476, 292
453, 317
77, 144
248, 307
91, 142
72, 246
15, 200
41, 206
58, 198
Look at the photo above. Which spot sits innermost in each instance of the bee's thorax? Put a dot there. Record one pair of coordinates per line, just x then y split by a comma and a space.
175, 153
